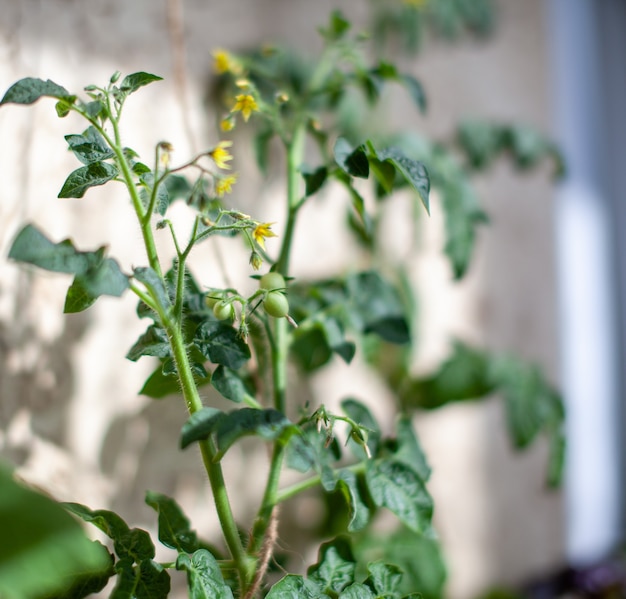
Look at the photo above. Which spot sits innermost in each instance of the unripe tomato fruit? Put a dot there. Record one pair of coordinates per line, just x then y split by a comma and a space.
272, 280
223, 310
276, 304
214, 296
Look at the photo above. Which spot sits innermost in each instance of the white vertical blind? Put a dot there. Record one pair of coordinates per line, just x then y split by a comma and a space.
587, 287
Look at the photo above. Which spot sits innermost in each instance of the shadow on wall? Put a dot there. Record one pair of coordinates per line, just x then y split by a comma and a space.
37, 378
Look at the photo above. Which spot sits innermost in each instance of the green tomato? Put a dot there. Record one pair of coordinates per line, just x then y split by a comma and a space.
212, 297
276, 304
223, 310
272, 280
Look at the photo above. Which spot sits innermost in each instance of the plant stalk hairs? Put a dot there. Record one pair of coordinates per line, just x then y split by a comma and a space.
203, 336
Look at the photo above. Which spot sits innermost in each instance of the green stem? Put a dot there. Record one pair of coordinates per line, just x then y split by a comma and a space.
214, 469
279, 354
297, 488
279, 338
144, 222
295, 154
269, 500
309, 483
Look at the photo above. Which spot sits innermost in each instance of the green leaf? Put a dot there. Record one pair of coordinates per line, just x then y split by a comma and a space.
95, 274
87, 584
34, 247
153, 582
357, 591
200, 425
376, 307
418, 556
268, 424
80, 180
335, 337
95, 109
174, 527
159, 385
204, 577
481, 141
63, 108
396, 486
43, 550
556, 461
162, 195
336, 566
338, 26
313, 179
313, 449
89, 147
133, 543
126, 579
103, 278
220, 343
359, 513
131, 83
30, 89
310, 347
384, 579
229, 384
413, 171
155, 284
463, 215
384, 172
78, 298
409, 450
352, 160
301, 455
294, 586
531, 403
465, 375
415, 89
358, 203
154, 342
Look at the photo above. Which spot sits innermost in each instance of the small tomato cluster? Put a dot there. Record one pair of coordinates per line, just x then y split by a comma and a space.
272, 290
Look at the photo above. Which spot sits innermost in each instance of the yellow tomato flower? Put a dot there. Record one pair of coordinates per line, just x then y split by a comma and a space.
246, 104
225, 185
222, 61
227, 123
261, 231
221, 155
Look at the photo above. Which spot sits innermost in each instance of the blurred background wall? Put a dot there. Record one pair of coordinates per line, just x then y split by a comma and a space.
70, 416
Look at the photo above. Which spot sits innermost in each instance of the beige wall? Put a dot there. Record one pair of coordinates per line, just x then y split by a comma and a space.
69, 414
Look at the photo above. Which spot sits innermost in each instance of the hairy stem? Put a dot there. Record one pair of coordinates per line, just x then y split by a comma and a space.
213, 469
146, 231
